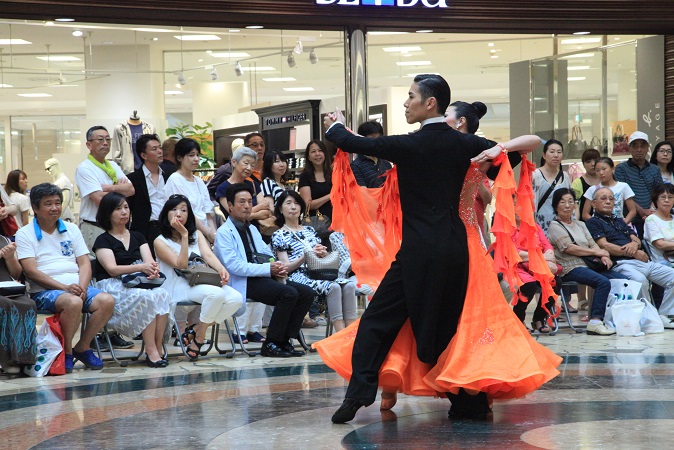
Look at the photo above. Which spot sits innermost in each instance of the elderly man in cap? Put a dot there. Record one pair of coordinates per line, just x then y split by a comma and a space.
641, 176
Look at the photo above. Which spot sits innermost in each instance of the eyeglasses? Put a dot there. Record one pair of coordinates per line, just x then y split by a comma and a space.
256, 144
665, 197
100, 140
603, 198
47, 169
665, 151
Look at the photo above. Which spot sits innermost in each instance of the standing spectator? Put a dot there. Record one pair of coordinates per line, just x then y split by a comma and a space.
370, 170
624, 196
236, 245
224, 171
662, 157
7, 208
149, 182
581, 184
274, 176
95, 177
15, 187
184, 182
168, 164
243, 163
548, 178
315, 181
56, 263
641, 176
255, 142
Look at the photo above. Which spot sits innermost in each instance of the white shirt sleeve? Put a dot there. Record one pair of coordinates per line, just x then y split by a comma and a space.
86, 180
206, 203
24, 244
5, 198
78, 240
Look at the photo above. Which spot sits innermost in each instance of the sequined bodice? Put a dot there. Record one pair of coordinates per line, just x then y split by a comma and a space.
467, 202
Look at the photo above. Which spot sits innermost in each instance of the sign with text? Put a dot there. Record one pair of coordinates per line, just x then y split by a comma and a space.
394, 3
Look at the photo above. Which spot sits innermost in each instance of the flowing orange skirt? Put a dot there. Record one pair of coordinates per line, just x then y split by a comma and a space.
491, 351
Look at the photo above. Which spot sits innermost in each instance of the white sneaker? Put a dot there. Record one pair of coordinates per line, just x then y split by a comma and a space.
599, 329
321, 321
667, 322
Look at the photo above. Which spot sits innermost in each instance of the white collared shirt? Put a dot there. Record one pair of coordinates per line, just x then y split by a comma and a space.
438, 119
156, 192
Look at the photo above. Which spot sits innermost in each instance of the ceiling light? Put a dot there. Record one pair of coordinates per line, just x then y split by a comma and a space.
580, 41
229, 54
58, 58
155, 38
238, 70
424, 31
298, 89
234, 31
413, 48
492, 51
413, 63
6, 86
291, 60
77, 33
197, 37
153, 30
214, 74
34, 95
313, 58
578, 67
181, 79
14, 42
299, 49
278, 79
173, 92
491, 44
494, 56
385, 33
578, 33
579, 55
64, 19
48, 23
254, 27
575, 79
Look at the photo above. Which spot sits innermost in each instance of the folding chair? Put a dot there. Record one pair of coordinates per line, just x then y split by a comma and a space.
183, 349
564, 301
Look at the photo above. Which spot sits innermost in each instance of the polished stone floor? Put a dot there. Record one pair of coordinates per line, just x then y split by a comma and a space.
613, 392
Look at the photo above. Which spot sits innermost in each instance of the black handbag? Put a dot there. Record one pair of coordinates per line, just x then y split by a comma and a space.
592, 262
141, 281
320, 223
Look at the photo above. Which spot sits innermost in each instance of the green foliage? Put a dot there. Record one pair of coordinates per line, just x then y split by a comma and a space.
202, 134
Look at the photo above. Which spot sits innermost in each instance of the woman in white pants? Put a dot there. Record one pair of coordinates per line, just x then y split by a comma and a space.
179, 239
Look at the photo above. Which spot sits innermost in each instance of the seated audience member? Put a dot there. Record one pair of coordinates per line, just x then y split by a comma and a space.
659, 226
56, 263
149, 182
17, 336
243, 163
613, 235
528, 289
122, 252
289, 243
15, 187
572, 240
184, 182
178, 240
224, 171
369, 170
237, 245
275, 176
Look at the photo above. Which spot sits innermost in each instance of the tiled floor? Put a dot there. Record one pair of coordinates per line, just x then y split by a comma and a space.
613, 392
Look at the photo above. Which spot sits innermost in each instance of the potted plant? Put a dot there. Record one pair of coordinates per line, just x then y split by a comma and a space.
202, 134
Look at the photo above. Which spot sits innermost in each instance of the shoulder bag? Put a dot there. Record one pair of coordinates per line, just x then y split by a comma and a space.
326, 268
319, 222
8, 225
592, 262
558, 178
199, 272
141, 281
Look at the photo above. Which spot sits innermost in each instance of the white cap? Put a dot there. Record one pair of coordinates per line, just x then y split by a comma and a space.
638, 135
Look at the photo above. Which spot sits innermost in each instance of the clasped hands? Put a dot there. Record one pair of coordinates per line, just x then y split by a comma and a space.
150, 269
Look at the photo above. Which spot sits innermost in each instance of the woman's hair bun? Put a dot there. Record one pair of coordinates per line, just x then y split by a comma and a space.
481, 109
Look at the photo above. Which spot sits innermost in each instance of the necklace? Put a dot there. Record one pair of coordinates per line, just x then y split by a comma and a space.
121, 237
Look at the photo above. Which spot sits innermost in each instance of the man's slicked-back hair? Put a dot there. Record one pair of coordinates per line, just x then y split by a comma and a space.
431, 85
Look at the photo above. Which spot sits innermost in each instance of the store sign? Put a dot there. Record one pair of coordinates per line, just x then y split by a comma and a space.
398, 3
280, 120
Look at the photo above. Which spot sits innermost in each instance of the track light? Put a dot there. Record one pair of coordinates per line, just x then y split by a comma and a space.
313, 58
214, 74
298, 47
62, 79
77, 33
291, 60
238, 70
181, 79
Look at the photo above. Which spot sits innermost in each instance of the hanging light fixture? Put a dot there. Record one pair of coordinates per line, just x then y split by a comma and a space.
299, 49
237, 69
181, 79
313, 58
214, 74
291, 60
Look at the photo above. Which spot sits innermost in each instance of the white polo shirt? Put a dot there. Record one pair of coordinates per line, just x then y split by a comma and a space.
55, 254
90, 179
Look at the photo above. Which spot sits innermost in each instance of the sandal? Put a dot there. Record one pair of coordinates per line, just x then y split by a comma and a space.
583, 305
540, 326
193, 354
189, 335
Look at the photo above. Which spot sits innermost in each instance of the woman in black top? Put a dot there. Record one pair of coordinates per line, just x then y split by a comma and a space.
315, 181
121, 252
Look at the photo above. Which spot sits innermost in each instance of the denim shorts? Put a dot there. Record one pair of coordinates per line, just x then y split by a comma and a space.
47, 299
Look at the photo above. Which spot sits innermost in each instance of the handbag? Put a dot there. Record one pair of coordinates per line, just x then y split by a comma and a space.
576, 145
48, 348
325, 268
199, 272
8, 225
320, 223
261, 258
592, 262
267, 226
141, 281
620, 141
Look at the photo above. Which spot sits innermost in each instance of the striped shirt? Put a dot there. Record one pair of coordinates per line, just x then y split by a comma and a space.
641, 180
270, 188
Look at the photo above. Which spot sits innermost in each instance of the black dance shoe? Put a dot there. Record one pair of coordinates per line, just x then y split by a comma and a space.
347, 411
273, 350
288, 347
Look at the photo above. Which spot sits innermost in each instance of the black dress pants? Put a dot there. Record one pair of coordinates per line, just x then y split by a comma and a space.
291, 302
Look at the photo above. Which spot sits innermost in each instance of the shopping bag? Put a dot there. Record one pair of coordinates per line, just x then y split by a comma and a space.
621, 290
48, 349
650, 319
627, 317
58, 367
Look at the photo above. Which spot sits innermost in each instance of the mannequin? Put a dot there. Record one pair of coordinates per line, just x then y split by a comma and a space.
123, 146
53, 166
